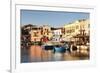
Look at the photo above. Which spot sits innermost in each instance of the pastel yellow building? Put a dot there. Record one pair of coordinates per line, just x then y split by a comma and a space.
75, 28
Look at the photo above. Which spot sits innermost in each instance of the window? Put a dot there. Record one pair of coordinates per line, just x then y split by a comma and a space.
77, 27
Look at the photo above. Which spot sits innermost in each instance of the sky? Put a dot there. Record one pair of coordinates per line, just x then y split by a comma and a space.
51, 18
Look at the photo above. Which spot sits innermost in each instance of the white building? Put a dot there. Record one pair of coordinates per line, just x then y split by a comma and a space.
57, 34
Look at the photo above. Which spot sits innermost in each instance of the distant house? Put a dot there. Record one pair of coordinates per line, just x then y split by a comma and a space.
35, 34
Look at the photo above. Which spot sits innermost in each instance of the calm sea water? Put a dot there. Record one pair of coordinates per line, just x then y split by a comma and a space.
37, 54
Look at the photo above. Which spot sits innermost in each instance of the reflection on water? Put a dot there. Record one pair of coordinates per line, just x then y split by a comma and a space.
38, 54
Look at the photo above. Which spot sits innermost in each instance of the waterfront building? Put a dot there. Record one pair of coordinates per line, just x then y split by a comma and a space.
41, 33
35, 34
46, 31
79, 27
57, 34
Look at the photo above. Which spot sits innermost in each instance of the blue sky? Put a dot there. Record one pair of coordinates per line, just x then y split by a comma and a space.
52, 18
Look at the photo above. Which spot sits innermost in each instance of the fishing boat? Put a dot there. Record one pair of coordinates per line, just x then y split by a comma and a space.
59, 49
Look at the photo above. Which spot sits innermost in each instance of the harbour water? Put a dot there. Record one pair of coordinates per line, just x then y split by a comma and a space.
36, 53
